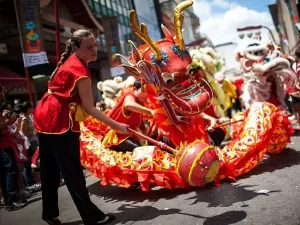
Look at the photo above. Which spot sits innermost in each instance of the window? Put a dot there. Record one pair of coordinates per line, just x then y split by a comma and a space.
120, 9
108, 4
114, 8
121, 19
130, 5
97, 9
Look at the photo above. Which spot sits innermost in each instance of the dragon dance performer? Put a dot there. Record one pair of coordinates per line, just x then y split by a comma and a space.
56, 119
129, 110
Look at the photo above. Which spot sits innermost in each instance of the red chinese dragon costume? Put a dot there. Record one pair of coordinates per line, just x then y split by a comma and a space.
178, 93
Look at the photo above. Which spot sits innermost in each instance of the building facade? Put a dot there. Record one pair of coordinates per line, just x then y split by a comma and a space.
73, 15
285, 16
148, 13
167, 9
103, 9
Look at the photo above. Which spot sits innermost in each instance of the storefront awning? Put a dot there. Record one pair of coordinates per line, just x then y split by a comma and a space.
10, 79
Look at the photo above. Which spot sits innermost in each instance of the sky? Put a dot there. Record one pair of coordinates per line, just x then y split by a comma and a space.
220, 18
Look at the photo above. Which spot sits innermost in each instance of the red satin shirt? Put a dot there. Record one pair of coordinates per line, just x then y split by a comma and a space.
52, 115
133, 119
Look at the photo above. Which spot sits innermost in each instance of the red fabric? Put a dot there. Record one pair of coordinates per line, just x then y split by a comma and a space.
6, 140
239, 85
210, 111
117, 113
20, 151
273, 100
36, 157
52, 114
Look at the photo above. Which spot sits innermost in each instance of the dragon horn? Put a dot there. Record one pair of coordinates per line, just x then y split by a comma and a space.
178, 20
142, 33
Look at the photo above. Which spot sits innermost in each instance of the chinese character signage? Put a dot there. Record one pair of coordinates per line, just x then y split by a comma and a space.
29, 23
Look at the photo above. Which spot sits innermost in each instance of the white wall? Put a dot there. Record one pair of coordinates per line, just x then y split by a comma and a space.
228, 53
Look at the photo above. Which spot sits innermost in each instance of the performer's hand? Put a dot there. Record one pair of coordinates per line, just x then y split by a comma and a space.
223, 120
123, 128
152, 113
213, 123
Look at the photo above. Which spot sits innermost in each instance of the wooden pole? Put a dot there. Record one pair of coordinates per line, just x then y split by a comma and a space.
21, 35
157, 143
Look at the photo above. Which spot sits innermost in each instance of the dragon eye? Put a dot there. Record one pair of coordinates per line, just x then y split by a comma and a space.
168, 78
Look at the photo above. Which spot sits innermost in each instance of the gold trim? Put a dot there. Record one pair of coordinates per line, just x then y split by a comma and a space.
184, 154
195, 163
123, 112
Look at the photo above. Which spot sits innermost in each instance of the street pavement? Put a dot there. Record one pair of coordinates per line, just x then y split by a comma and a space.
269, 195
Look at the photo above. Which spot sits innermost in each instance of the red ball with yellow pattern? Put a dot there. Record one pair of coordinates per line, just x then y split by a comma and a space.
197, 164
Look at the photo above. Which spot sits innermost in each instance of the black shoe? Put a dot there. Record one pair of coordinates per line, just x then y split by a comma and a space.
106, 220
52, 221
23, 199
15, 206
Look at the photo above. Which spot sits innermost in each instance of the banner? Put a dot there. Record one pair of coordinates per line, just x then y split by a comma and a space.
30, 32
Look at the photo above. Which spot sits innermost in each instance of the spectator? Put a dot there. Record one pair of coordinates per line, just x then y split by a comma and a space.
8, 165
20, 150
295, 91
32, 143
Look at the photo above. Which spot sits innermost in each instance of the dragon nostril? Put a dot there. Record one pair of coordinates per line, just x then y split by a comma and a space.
185, 84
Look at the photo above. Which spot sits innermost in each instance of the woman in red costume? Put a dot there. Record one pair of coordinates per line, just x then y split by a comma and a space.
129, 110
56, 119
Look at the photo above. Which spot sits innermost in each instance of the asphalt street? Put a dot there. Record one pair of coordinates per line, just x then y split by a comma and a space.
269, 195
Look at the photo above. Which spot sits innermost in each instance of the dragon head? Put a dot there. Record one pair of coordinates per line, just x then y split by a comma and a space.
167, 69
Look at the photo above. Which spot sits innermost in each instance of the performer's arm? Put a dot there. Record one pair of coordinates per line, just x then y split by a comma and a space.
86, 96
131, 105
